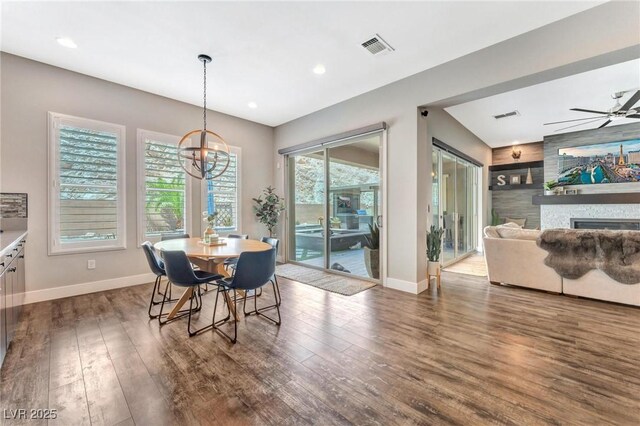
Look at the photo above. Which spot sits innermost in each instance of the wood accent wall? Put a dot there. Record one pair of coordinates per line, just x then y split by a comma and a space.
530, 152
517, 203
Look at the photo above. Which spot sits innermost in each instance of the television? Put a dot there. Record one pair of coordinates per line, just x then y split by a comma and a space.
611, 162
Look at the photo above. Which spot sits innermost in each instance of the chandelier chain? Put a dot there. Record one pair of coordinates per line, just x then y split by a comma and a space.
204, 110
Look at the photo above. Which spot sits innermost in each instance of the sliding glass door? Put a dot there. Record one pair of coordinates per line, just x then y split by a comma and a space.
455, 203
335, 206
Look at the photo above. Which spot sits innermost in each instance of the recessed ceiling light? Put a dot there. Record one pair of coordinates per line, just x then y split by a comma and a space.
66, 42
319, 69
252, 105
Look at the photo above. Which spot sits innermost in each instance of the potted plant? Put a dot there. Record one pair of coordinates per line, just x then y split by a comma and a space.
434, 248
549, 187
372, 251
268, 209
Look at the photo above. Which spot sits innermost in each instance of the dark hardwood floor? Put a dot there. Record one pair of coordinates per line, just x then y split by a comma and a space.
472, 354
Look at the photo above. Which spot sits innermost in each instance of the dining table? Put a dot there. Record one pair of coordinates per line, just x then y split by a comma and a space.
209, 258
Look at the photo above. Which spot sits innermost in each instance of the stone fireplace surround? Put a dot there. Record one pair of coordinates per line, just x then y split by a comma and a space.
560, 215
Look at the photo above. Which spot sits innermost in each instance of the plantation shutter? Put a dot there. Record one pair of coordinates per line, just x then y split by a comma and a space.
165, 183
87, 185
222, 196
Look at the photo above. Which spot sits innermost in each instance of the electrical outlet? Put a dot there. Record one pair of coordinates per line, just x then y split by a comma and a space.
91, 264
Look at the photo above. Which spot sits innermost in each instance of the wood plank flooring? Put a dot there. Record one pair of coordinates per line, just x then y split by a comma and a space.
471, 354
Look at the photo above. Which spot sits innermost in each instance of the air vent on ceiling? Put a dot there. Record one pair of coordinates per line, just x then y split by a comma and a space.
376, 45
507, 114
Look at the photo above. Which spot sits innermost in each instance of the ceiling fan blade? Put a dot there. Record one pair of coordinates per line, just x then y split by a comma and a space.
604, 124
589, 110
576, 125
575, 119
631, 102
633, 116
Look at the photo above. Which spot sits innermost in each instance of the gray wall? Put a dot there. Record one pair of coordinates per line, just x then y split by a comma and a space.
553, 143
30, 89
511, 64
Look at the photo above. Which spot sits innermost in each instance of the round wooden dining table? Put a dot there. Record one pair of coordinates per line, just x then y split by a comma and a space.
209, 258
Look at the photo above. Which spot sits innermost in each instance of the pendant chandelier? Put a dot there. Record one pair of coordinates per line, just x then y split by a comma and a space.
202, 153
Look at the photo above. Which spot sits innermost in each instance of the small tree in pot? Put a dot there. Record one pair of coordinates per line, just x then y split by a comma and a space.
372, 251
268, 209
434, 248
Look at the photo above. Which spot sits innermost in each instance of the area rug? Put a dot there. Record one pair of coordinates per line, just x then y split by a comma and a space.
324, 280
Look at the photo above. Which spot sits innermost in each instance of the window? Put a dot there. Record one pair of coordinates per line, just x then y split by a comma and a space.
163, 188
222, 195
86, 185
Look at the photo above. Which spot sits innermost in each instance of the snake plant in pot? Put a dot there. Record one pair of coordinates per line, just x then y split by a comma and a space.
372, 251
434, 248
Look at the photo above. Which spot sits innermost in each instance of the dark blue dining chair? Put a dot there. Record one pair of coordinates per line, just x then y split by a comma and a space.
157, 268
231, 263
165, 237
254, 270
275, 243
180, 273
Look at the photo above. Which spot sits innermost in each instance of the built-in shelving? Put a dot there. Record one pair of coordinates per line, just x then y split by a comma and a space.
520, 169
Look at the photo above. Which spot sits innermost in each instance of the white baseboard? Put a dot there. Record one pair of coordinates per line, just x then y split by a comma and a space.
407, 286
86, 288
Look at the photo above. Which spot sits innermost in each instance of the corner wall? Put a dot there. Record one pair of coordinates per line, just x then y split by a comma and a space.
29, 90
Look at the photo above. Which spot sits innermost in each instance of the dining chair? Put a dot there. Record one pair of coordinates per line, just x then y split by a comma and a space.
180, 273
165, 237
254, 270
157, 268
275, 243
231, 263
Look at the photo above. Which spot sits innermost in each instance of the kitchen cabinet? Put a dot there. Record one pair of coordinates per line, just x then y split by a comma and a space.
12, 290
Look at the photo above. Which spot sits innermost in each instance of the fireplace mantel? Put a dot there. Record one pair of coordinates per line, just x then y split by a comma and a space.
619, 198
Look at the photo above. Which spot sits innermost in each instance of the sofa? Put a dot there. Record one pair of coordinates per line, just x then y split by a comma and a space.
513, 257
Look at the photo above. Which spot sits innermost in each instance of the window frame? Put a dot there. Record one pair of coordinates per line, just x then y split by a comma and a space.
55, 246
237, 151
141, 136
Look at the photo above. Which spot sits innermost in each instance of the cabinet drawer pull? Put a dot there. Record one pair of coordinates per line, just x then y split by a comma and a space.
21, 257
9, 255
12, 269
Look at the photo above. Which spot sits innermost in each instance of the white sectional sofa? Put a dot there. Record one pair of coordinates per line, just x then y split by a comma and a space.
513, 258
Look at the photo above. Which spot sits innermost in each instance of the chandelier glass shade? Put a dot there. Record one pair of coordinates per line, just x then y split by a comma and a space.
202, 153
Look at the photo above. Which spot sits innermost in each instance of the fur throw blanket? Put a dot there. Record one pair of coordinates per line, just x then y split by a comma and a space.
573, 253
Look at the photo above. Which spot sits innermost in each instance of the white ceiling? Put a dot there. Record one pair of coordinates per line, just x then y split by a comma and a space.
264, 52
548, 102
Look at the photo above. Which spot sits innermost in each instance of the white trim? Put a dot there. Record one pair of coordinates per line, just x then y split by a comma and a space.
141, 137
385, 205
406, 286
237, 151
35, 296
54, 245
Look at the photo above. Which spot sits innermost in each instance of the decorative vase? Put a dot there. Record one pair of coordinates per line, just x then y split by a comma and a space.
529, 180
549, 192
208, 234
372, 262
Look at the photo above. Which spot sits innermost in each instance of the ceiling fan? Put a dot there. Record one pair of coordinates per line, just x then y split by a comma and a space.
614, 113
